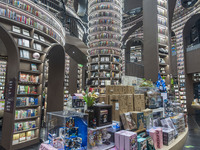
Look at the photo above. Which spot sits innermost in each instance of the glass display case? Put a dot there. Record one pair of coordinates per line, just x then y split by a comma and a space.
67, 130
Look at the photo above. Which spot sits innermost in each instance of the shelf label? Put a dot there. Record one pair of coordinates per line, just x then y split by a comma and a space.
9, 101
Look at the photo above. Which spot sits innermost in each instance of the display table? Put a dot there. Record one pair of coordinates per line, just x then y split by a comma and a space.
195, 106
178, 143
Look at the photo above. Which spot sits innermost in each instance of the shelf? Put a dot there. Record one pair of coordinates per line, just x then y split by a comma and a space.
41, 42
92, 63
25, 130
104, 62
31, 72
96, 70
31, 49
32, 106
163, 55
104, 69
104, 77
31, 60
99, 128
28, 83
115, 70
28, 95
162, 64
20, 35
28, 118
26, 141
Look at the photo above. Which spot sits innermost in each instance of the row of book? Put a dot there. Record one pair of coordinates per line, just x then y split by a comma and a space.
104, 51
21, 126
33, 11
17, 138
109, 6
22, 114
29, 21
105, 43
100, 1
104, 21
105, 36
26, 101
26, 89
105, 14
105, 28
28, 78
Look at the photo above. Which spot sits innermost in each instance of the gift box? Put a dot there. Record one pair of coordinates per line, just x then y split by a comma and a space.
103, 114
138, 118
150, 145
130, 140
152, 134
168, 136
159, 137
117, 138
142, 144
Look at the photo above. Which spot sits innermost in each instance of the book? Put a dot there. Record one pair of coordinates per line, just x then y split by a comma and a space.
28, 135
22, 137
15, 139
34, 67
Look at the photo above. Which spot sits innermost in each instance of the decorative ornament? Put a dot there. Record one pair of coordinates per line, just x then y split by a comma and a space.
36, 56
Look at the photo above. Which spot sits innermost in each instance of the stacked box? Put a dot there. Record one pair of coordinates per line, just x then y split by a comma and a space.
148, 118
139, 102
168, 136
103, 98
130, 140
138, 118
119, 89
126, 140
117, 138
152, 134
179, 123
159, 137
121, 104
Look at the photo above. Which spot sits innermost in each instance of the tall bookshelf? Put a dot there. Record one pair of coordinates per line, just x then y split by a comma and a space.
156, 40
66, 81
104, 55
33, 37
3, 68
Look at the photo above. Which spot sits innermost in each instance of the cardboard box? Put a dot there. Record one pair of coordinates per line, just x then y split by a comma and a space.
139, 102
138, 117
103, 98
121, 103
122, 141
119, 89
130, 90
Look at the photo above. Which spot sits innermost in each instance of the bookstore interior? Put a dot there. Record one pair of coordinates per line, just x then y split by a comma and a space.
99, 74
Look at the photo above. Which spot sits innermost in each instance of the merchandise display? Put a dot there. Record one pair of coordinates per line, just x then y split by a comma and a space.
99, 74
67, 130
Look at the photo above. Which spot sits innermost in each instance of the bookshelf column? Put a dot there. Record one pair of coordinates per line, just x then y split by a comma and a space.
105, 30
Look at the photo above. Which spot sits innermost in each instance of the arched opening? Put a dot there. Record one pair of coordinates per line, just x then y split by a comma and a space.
191, 46
188, 3
134, 58
134, 51
9, 49
55, 85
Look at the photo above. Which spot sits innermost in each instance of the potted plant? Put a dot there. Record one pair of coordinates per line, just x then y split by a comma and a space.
90, 98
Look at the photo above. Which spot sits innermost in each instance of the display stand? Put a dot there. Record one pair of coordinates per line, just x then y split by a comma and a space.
179, 143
